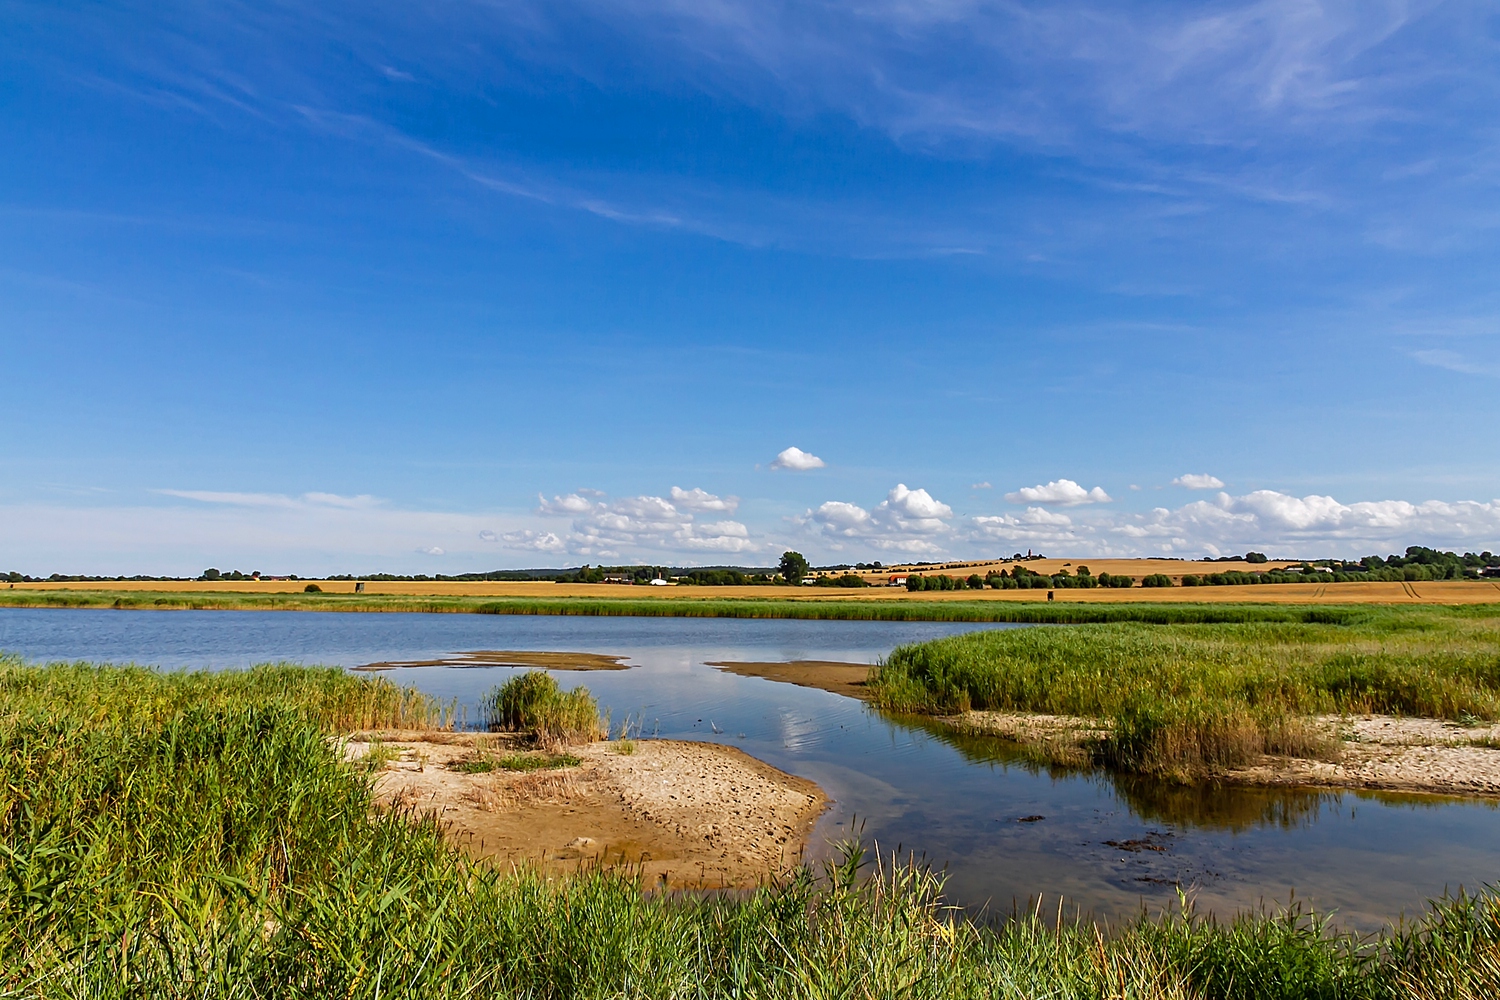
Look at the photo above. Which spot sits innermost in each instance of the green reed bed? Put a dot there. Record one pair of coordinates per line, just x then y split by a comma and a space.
326, 696
532, 703
1184, 697
219, 846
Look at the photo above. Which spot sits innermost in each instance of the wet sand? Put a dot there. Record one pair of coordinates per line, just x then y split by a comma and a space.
685, 815
511, 658
829, 675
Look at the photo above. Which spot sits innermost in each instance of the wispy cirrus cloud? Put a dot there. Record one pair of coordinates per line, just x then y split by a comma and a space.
1455, 362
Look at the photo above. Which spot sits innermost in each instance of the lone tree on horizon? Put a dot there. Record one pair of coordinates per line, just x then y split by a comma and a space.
793, 567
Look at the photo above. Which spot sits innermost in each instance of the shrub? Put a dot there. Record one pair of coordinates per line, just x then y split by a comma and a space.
312, 588
1190, 580
533, 703
976, 582
1157, 580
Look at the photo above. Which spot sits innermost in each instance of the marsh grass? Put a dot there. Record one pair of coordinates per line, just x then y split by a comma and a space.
533, 704
1179, 699
222, 848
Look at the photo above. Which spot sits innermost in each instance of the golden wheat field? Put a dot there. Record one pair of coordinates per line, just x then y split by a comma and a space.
1440, 592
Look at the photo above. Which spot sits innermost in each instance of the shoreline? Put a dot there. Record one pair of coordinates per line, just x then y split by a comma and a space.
683, 815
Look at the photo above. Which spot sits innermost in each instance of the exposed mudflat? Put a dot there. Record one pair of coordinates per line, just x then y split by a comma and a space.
684, 814
829, 675
511, 658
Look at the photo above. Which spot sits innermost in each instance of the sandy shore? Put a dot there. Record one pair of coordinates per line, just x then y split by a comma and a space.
684, 814
1374, 751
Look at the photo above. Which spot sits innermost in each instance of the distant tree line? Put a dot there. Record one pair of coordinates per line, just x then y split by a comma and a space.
1021, 578
1419, 563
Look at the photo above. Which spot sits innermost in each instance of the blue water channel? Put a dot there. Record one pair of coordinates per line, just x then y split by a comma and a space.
964, 805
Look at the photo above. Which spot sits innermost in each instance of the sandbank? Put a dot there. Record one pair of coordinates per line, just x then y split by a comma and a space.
684, 815
511, 658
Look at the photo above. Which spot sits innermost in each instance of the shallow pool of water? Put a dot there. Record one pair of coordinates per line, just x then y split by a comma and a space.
1105, 845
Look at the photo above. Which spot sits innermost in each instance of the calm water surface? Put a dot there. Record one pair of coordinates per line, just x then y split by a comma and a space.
958, 802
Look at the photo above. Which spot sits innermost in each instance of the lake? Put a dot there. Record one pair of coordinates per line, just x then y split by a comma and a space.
1105, 845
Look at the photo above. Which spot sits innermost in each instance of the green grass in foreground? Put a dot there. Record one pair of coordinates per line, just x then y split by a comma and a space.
204, 842
1063, 613
1185, 697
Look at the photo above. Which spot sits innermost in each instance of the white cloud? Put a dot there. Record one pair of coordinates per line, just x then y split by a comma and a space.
533, 541
487, 536
1059, 492
906, 520
980, 486
697, 499
1310, 525
430, 550
605, 528
1034, 525
1199, 481
565, 506
797, 460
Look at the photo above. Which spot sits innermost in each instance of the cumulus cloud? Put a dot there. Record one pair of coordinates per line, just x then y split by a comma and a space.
980, 486
605, 528
1199, 481
533, 541
430, 550
1060, 493
1310, 524
797, 460
1035, 525
487, 536
564, 506
698, 499
906, 520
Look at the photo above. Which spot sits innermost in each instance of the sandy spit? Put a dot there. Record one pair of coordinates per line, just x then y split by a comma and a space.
1374, 751
686, 815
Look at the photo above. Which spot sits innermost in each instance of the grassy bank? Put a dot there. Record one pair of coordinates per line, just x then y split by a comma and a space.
689, 607
206, 841
1181, 698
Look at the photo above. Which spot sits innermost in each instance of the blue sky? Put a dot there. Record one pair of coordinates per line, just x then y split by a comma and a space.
458, 286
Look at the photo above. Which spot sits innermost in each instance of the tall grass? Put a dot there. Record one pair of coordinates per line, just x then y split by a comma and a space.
222, 849
532, 703
129, 695
1188, 697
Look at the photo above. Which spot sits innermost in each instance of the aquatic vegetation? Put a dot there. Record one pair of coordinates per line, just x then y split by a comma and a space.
219, 846
1184, 697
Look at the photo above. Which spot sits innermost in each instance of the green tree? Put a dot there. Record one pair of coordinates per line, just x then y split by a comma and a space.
793, 567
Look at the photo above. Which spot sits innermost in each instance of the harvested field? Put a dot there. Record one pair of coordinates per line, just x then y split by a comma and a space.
450, 596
